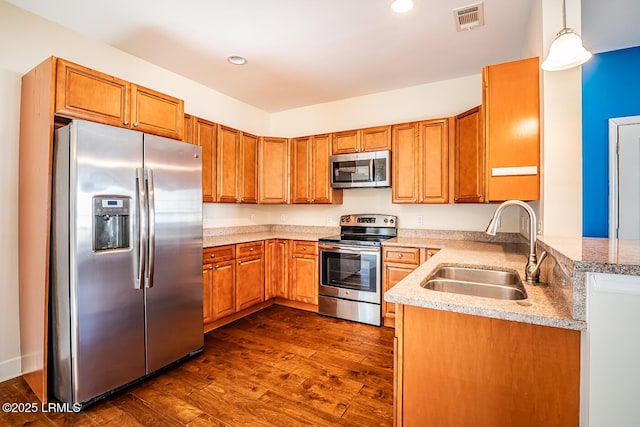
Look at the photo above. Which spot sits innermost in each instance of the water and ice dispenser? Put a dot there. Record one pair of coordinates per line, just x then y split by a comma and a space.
111, 228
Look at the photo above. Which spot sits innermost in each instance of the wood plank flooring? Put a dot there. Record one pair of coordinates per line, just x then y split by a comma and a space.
277, 367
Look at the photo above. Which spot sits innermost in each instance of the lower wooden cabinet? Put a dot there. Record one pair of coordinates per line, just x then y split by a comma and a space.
462, 370
276, 269
304, 272
249, 274
398, 263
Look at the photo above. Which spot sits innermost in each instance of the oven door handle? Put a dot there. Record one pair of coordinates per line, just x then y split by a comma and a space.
349, 250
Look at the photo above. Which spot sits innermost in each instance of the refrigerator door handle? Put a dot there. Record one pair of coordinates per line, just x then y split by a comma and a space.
141, 254
152, 228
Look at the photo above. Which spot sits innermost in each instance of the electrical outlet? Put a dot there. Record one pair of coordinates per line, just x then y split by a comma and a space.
419, 220
540, 227
252, 217
283, 218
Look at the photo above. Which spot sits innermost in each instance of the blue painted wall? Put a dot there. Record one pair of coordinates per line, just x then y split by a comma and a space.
610, 88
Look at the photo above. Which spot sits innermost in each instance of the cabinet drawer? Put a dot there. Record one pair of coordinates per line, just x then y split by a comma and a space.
401, 255
301, 247
219, 253
249, 249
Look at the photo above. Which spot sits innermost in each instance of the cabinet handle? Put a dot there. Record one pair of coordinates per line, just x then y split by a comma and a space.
250, 249
135, 125
399, 255
304, 248
293, 256
126, 123
357, 149
217, 267
211, 268
212, 255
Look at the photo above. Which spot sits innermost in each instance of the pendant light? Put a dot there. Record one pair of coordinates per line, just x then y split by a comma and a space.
402, 6
567, 50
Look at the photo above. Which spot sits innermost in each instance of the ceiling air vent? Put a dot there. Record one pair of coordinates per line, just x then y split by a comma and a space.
469, 17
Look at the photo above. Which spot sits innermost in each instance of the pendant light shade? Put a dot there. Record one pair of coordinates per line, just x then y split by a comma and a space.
567, 50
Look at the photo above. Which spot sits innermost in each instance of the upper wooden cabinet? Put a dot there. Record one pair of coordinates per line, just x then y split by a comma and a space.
311, 171
420, 157
468, 157
91, 95
273, 170
248, 169
358, 140
204, 135
511, 102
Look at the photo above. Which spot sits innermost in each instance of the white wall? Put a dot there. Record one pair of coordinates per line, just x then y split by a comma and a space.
9, 316
562, 131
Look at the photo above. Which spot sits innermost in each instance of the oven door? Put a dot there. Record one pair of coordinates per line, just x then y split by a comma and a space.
350, 272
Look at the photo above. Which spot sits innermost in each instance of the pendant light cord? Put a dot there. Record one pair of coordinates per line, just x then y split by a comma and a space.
564, 14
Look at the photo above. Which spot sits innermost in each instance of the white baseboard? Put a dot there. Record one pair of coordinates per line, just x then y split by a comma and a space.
10, 368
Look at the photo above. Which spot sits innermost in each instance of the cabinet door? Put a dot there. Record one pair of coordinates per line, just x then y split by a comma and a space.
187, 127
346, 142
469, 158
227, 161
404, 163
207, 293
248, 179
276, 277
376, 139
321, 171
304, 278
250, 282
156, 113
273, 178
511, 101
391, 275
90, 95
301, 170
434, 142
205, 137
224, 294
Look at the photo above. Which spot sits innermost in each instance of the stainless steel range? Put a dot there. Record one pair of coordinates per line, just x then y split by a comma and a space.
351, 268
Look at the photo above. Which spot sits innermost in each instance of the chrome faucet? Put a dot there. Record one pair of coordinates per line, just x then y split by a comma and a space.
532, 269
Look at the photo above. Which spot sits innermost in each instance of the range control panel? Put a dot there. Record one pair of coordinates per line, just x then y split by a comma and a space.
369, 220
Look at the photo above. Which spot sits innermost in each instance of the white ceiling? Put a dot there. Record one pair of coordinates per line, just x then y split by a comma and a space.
300, 52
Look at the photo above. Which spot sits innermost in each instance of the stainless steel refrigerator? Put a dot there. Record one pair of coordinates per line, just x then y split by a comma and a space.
126, 258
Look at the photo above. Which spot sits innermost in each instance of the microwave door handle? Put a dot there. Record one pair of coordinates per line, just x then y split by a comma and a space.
371, 177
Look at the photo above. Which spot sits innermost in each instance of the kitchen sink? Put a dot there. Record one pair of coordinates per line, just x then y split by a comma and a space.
498, 284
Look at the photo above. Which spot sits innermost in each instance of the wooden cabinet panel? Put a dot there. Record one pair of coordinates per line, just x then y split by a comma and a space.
249, 249
301, 170
359, 140
207, 293
404, 163
511, 102
248, 179
276, 270
434, 142
218, 253
376, 138
273, 177
304, 272
224, 290
187, 127
249, 282
504, 371
205, 136
469, 158
401, 255
346, 142
311, 169
227, 163
90, 95
156, 113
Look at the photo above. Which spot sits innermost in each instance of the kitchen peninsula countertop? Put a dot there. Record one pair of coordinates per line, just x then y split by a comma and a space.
545, 305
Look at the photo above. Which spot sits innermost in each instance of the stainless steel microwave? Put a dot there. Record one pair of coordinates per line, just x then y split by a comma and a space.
361, 170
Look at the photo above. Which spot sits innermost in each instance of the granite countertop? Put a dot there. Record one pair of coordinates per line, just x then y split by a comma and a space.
545, 305
232, 235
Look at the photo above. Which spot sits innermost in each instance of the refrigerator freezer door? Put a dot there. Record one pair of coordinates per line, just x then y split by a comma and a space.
107, 314
174, 293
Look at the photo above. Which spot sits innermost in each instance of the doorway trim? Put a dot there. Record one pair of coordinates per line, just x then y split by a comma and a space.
614, 125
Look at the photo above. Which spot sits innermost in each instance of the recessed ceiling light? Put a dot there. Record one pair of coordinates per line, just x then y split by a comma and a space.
402, 6
237, 60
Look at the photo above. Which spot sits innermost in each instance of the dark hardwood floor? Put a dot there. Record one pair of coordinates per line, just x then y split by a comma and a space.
277, 367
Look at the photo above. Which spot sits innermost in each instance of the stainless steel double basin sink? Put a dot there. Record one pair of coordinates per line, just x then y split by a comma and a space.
476, 281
